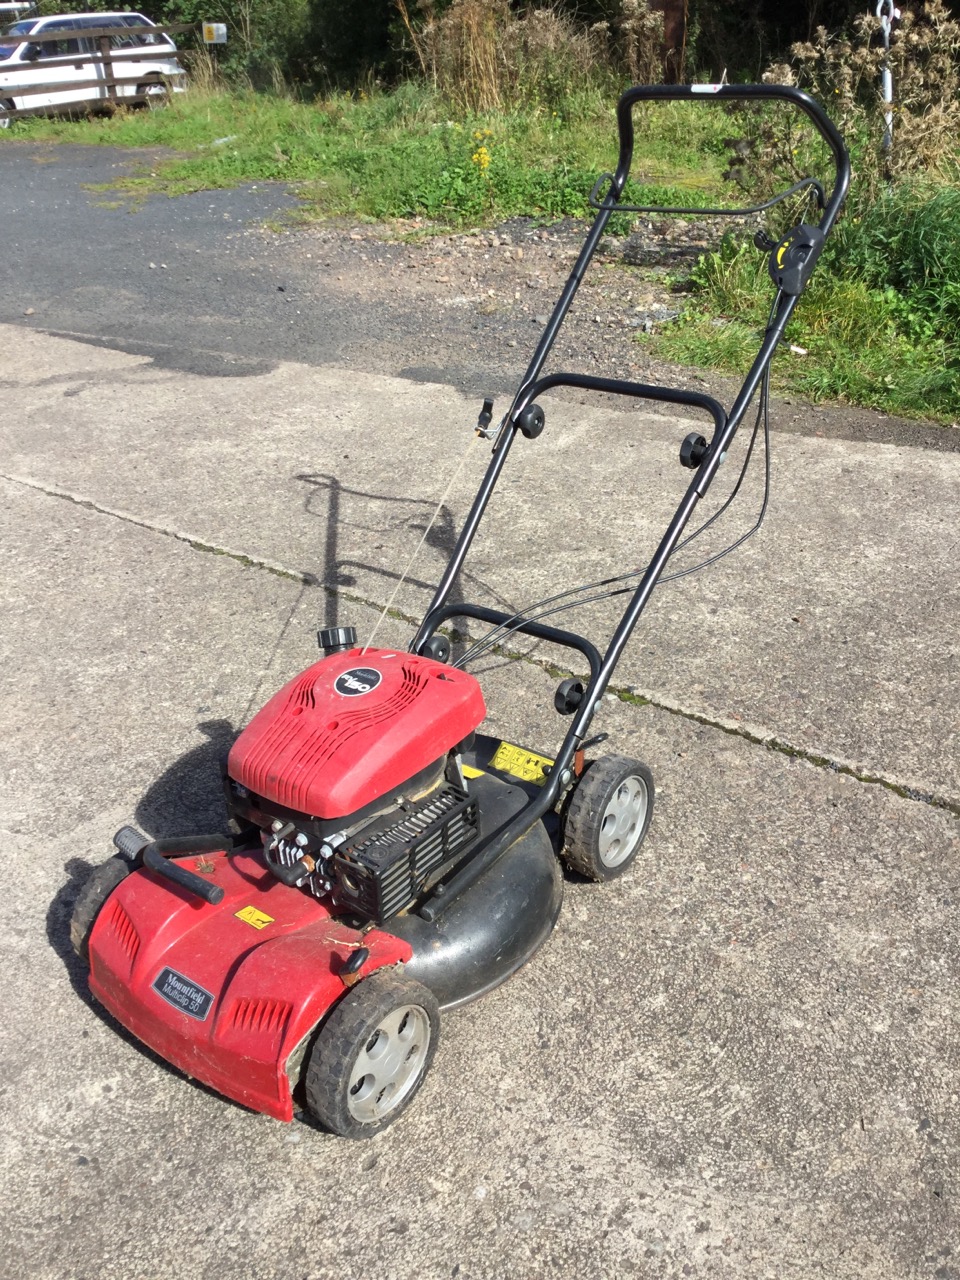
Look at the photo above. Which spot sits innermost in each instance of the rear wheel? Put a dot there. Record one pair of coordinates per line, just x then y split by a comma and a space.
6, 104
372, 1055
608, 817
96, 890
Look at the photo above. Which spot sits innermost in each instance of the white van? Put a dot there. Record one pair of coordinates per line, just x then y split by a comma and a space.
58, 63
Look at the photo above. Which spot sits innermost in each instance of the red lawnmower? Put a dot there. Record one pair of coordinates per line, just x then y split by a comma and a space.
391, 860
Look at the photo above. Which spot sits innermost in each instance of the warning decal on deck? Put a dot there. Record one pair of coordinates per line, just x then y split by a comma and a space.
526, 765
259, 919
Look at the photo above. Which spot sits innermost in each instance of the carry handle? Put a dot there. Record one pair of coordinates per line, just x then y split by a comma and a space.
155, 855
726, 93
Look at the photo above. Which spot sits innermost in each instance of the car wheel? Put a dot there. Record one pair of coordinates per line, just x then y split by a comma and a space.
153, 93
372, 1054
608, 817
6, 104
96, 890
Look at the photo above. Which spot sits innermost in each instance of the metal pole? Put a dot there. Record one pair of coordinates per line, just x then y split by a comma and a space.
887, 12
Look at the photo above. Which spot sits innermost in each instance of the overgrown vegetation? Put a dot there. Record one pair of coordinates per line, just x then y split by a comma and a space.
482, 57
881, 319
399, 155
502, 110
855, 336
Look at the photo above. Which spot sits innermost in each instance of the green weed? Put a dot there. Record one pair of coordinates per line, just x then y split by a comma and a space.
862, 344
390, 155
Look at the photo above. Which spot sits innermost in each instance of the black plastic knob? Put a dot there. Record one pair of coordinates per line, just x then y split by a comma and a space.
438, 648
568, 697
336, 639
530, 421
693, 451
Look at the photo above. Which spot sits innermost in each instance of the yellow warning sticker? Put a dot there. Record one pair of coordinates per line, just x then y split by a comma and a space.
526, 765
470, 772
259, 919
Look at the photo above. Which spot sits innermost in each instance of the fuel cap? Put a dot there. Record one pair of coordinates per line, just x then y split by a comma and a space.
336, 639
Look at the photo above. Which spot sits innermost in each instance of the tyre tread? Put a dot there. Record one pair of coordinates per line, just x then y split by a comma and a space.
350, 1022
584, 811
95, 891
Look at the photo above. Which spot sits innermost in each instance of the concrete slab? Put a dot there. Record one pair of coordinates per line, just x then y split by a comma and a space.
833, 632
741, 1060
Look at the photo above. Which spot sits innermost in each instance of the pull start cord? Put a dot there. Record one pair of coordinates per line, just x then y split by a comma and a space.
409, 565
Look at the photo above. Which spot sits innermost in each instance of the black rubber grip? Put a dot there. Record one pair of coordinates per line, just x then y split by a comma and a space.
154, 859
129, 842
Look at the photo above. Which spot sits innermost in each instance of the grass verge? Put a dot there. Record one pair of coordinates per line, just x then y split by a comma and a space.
399, 155
879, 323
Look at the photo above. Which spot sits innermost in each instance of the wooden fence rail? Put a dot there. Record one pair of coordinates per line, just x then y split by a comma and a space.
21, 79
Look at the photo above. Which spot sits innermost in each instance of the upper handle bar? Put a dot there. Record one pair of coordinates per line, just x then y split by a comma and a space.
725, 93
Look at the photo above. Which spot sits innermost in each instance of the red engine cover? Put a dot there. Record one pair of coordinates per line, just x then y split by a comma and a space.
352, 728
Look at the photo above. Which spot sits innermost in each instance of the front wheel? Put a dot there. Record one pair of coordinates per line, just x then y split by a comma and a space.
372, 1055
96, 890
608, 817
6, 104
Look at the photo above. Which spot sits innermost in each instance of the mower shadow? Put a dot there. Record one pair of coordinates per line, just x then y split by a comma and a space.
188, 797
327, 499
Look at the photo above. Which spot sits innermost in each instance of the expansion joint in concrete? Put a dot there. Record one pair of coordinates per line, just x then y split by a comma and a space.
819, 761
624, 694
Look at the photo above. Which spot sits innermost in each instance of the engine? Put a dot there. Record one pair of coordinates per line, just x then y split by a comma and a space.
388, 863
352, 775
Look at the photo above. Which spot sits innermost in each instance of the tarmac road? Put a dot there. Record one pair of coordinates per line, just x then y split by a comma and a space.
740, 1060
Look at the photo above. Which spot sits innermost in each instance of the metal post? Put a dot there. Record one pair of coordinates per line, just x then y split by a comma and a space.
887, 12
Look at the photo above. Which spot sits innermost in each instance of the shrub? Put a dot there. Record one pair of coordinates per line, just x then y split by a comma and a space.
844, 73
483, 56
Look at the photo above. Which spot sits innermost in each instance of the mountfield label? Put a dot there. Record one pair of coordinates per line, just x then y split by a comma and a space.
183, 994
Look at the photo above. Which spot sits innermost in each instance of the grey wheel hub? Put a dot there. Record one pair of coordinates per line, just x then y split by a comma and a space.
389, 1065
623, 821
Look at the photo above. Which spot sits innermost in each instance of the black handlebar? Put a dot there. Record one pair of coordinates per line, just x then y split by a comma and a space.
618, 387
725, 423
510, 622
725, 93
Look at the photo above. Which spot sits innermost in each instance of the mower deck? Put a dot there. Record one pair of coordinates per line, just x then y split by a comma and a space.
496, 925
231, 993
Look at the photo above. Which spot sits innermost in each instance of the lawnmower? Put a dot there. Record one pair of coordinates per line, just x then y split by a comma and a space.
390, 860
